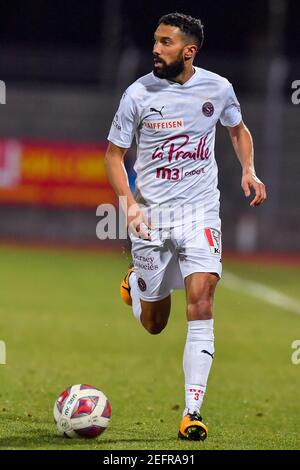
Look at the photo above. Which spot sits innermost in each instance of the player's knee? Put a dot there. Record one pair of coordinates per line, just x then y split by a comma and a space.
154, 328
199, 310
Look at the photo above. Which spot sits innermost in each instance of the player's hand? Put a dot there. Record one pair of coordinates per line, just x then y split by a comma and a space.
137, 222
250, 181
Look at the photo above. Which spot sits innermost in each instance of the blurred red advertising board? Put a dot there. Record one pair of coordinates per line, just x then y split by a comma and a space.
53, 174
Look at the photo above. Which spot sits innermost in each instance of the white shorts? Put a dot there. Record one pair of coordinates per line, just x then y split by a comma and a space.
163, 263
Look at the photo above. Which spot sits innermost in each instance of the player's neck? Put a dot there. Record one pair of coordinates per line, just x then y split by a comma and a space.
184, 76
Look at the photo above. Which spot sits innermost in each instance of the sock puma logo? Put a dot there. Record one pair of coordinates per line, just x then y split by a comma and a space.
206, 352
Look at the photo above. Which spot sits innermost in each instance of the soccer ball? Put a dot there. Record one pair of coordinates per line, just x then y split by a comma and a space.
82, 411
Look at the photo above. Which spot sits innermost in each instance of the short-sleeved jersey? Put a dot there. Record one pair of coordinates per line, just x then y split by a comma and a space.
174, 126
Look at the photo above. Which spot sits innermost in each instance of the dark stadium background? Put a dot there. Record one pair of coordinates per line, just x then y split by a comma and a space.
65, 65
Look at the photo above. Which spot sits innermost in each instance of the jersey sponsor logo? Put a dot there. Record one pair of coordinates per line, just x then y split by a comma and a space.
172, 174
213, 237
175, 148
208, 109
198, 171
146, 263
146, 267
164, 124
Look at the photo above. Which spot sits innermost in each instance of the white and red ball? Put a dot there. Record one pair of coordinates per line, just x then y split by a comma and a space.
82, 411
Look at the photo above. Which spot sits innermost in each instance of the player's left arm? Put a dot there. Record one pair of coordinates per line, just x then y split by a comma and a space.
243, 145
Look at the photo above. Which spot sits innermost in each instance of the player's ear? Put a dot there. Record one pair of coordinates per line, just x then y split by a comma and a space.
190, 51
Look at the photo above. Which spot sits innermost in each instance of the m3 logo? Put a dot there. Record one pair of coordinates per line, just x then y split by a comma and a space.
168, 174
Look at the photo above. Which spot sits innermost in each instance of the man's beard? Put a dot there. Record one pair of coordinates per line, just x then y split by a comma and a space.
169, 71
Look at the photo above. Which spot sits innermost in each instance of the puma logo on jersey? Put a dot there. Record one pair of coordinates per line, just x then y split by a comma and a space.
159, 111
155, 111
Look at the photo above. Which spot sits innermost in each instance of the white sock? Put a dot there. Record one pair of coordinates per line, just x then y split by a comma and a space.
197, 361
134, 292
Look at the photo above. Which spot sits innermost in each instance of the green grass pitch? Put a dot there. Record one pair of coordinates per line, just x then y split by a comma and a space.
63, 323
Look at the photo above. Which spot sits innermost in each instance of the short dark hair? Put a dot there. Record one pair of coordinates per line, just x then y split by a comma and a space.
188, 25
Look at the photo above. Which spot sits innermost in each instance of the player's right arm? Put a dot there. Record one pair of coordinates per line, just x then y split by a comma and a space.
117, 175
121, 134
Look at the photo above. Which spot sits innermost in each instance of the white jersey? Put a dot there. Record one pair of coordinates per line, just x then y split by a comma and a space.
174, 126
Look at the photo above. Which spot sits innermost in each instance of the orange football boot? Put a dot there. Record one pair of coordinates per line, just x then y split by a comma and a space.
192, 428
125, 287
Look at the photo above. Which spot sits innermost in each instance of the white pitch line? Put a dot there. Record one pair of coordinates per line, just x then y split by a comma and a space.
260, 291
